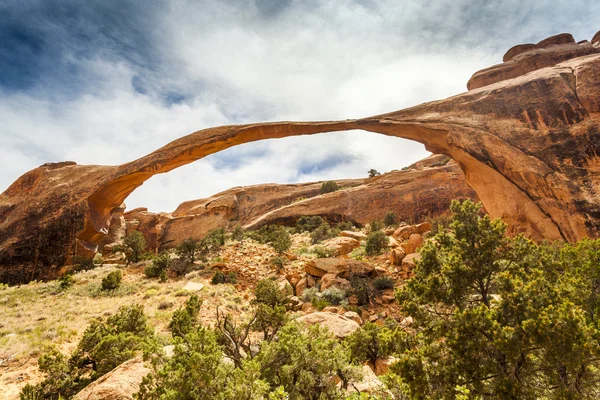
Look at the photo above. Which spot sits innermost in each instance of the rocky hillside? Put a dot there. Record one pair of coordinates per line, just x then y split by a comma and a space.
424, 189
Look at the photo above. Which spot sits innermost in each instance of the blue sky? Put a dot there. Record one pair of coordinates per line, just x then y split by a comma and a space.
104, 82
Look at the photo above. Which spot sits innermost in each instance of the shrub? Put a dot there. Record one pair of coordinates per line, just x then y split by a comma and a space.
112, 281
325, 231
66, 282
163, 277
160, 263
220, 277
309, 294
281, 240
188, 250
215, 238
390, 219
180, 267
83, 263
373, 173
278, 262
319, 303
345, 226
135, 246
238, 233
361, 288
270, 304
308, 223
376, 241
267, 292
329, 186
185, 319
335, 296
274, 235
375, 225
105, 344
383, 283
372, 342
323, 252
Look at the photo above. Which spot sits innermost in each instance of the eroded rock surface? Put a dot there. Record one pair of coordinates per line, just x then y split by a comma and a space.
528, 144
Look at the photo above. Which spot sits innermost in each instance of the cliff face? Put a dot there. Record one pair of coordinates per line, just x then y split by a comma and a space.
527, 142
425, 189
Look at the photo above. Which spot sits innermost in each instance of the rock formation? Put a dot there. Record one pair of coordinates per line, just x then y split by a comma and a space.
425, 188
526, 137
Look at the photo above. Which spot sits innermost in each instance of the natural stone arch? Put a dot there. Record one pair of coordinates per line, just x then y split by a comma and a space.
528, 146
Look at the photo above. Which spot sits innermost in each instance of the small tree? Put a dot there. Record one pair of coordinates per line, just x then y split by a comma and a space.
188, 250
185, 319
237, 233
373, 173
376, 241
112, 281
329, 186
281, 240
135, 246
390, 219
372, 342
160, 264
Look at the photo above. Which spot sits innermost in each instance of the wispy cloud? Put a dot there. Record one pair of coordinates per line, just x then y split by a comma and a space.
104, 82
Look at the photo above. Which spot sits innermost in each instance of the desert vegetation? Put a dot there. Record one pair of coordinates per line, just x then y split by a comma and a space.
481, 315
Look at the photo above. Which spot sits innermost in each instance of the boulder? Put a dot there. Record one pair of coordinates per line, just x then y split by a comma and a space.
284, 286
561, 38
424, 227
337, 266
330, 280
193, 286
353, 316
405, 231
119, 384
518, 49
341, 245
338, 325
369, 383
408, 264
293, 278
354, 235
596, 38
415, 241
382, 365
392, 242
396, 256
300, 287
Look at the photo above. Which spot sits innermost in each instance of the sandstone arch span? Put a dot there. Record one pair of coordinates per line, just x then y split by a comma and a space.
529, 146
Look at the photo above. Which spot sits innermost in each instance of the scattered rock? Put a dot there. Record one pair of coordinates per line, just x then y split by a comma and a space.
405, 231
415, 241
354, 235
329, 280
408, 264
396, 256
424, 227
353, 316
382, 365
193, 286
369, 383
119, 384
339, 325
301, 286
338, 266
341, 245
